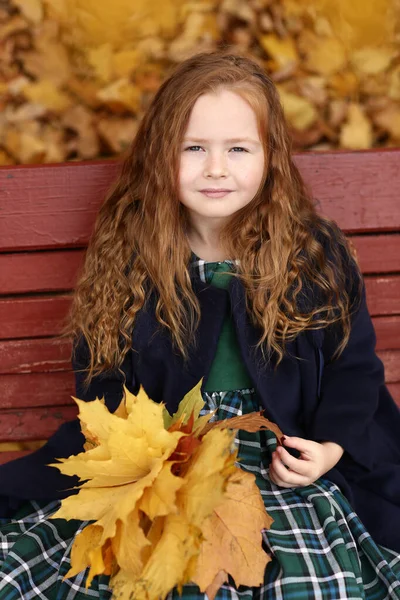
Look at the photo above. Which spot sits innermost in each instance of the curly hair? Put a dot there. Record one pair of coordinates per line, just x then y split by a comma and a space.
139, 246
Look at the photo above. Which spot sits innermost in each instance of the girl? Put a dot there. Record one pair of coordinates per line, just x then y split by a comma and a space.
208, 260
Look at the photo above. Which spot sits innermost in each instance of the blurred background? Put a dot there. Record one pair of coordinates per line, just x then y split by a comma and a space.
77, 75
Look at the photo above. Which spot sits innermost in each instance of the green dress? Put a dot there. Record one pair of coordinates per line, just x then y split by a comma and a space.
319, 547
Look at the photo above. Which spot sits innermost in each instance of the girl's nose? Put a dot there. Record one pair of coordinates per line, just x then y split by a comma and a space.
215, 166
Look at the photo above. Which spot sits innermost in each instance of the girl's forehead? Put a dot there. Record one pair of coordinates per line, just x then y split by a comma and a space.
224, 112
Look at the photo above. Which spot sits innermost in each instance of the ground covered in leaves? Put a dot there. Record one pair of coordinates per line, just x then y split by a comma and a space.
77, 75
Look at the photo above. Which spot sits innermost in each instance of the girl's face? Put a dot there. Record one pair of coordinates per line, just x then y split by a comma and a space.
222, 158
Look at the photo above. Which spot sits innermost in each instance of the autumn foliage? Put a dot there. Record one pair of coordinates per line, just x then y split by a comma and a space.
77, 75
167, 502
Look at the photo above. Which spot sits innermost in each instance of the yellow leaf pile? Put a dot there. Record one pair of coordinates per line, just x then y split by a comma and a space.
167, 502
77, 75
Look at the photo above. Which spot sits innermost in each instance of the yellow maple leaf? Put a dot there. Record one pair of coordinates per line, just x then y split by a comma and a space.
151, 483
283, 51
299, 112
357, 131
233, 536
47, 94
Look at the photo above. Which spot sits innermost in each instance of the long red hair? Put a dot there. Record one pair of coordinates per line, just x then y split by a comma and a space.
139, 247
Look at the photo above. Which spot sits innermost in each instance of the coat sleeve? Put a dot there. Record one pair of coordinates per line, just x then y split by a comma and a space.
108, 385
30, 477
354, 402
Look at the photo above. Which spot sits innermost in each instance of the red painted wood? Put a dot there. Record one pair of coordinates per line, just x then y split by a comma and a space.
57, 270
53, 206
36, 389
33, 424
387, 332
378, 253
33, 317
35, 355
44, 316
391, 361
39, 271
383, 294
394, 389
359, 189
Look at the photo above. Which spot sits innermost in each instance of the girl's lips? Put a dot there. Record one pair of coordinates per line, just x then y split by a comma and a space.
215, 193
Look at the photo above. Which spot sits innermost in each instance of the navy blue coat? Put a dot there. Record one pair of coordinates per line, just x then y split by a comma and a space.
307, 395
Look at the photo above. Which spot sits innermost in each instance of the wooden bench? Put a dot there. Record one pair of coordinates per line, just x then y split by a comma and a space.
46, 216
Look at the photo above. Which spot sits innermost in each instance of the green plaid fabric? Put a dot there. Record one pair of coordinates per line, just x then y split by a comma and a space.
319, 548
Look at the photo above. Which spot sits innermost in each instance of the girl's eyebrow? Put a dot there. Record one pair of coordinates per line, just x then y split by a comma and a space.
229, 141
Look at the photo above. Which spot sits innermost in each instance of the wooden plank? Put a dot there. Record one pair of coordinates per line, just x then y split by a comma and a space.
391, 361
387, 332
39, 271
33, 317
33, 424
44, 316
35, 355
378, 253
53, 206
383, 294
36, 389
57, 270
358, 189
394, 389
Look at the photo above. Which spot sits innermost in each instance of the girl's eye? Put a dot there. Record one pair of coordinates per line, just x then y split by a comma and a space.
194, 148
239, 149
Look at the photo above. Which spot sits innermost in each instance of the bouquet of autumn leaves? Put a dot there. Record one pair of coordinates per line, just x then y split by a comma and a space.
167, 503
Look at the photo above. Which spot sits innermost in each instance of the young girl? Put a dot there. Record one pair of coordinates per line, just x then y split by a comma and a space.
208, 260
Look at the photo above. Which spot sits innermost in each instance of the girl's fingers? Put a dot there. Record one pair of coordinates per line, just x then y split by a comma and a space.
284, 477
300, 444
302, 467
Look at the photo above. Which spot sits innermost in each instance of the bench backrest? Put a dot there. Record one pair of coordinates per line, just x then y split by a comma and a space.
46, 217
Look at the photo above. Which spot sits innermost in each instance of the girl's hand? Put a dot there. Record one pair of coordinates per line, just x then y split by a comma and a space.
315, 460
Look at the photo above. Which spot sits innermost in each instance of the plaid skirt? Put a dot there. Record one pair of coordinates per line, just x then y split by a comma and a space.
319, 547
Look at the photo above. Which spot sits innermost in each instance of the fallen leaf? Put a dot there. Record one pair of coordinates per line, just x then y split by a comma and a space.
120, 96
47, 94
191, 404
325, 56
283, 51
212, 589
299, 112
371, 61
233, 536
389, 120
250, 422
31, 9
117, 133
357, 131
150, 492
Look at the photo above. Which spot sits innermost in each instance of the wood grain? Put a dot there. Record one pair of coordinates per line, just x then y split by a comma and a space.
24, 272
51, 206
54, 206
57, 270
387, 331
378, 253
33, 424
35, 355
358, 189
36, 389
394, 389
25, 317
383, 294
